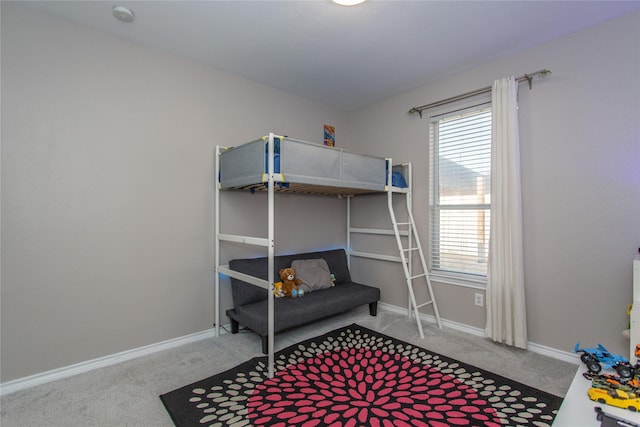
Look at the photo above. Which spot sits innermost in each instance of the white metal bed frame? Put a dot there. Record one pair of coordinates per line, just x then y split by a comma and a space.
269, 242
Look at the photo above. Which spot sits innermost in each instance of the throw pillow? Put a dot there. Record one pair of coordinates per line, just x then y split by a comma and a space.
314, 273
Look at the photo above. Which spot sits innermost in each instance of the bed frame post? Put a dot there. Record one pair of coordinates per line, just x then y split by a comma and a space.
348, 251
408, 174
271, 253
216, 242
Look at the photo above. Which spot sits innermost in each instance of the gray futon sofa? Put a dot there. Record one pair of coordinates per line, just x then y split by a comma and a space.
250, 301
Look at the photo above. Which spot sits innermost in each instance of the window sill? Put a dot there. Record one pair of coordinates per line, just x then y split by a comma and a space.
458, 280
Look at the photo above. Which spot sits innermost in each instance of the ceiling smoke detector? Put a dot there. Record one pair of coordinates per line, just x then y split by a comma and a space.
122, 14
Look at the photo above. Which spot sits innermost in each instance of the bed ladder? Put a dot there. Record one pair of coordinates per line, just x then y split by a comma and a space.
406, 254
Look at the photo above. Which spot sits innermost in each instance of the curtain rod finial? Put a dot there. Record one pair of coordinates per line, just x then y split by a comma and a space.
413, 111
529, 79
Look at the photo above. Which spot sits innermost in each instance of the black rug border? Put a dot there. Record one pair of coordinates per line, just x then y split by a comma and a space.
232, 373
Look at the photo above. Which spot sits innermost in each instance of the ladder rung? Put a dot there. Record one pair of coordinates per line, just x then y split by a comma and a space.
424, 303
418, 276
410, 249
403, 223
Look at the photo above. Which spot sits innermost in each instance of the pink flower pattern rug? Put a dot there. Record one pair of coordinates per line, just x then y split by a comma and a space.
354, 376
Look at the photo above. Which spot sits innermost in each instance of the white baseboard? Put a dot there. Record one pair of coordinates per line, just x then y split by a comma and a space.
101, 362
79, 368
431, 319
531, 346
566, 356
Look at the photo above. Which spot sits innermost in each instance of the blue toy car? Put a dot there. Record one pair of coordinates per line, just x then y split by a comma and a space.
598, 358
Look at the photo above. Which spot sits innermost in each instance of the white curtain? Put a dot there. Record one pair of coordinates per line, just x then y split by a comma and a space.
506, 314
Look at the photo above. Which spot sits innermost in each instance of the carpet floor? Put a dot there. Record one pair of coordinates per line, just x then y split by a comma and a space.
355, 376
126, 394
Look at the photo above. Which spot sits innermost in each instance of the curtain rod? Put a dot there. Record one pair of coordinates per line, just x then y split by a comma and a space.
527, 77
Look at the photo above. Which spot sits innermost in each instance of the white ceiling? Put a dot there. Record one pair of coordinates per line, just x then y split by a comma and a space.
346, 57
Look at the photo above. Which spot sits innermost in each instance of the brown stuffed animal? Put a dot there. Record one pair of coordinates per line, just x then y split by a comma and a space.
289, 281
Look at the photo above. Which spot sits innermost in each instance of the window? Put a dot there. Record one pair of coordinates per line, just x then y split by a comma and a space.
460, 199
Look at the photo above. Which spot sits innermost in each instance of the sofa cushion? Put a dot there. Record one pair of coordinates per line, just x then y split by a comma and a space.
245, 293
314, 273
290, 312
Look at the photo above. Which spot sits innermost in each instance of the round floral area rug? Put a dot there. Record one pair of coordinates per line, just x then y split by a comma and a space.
354, 376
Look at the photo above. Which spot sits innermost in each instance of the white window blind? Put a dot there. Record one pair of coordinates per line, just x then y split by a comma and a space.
460, 199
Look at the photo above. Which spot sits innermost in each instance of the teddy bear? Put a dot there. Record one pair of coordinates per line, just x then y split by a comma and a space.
289, 282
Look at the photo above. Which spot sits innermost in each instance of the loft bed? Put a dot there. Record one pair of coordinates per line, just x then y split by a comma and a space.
305, 168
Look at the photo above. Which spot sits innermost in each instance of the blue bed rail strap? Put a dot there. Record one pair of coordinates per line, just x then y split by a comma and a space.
276, 154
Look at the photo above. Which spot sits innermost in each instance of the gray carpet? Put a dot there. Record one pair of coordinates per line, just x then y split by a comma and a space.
127, 394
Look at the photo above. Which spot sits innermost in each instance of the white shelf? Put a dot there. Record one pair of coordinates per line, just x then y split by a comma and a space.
577, 409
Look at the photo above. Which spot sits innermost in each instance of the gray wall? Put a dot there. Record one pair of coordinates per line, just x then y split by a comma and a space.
107, 203
580, 131
107, 160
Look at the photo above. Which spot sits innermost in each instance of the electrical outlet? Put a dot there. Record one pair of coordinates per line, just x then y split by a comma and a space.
479, 299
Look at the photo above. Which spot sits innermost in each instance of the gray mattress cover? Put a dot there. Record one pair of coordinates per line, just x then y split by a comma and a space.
302, 164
